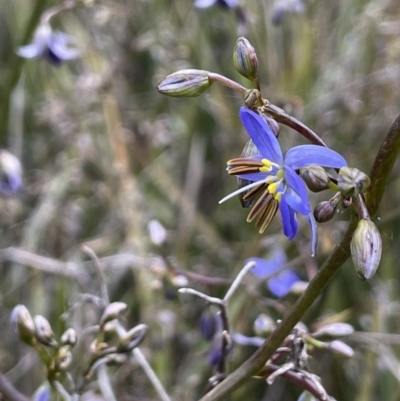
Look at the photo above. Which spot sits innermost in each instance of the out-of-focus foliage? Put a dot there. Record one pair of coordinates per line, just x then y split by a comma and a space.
104, 154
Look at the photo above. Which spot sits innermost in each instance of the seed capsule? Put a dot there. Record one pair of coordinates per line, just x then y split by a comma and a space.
366, 249
245, 59
185, 83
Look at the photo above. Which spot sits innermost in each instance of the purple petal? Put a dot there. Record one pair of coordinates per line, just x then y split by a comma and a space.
308, 155
262, 135
29, 51
204, 3
296, 194
59, 49
241, 339
263, 267
289, 220
281, 284
254, 176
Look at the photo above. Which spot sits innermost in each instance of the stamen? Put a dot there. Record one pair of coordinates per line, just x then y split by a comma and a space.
261, 204
266, 217
254, 192
244, 161
242, 170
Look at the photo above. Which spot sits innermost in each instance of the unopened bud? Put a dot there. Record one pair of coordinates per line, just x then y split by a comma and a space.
340, 348
132, 338
22, 324
44, 333
158, 234
64, 358
112, 312
352, 181
325, 210
315, 177
334, 330
116, 359
252, 98
208, 324
264, 325
10, 173
366, 248
245, 59
69, 337
275, 128
185, 83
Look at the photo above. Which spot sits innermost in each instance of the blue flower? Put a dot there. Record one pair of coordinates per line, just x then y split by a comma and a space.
221, 3
279, 284
274, 179
49, 46
10, 174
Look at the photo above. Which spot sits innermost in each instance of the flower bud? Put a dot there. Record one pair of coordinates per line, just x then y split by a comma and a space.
132, 338
112, 312
69, 337
208, 324
185, 83
252, 98
10, 173
334, 330
264, 325
340, 348
158, 234
275, 128
22, 324
352, 181
325, 210
44, 333
366, 249
245, 59
315, 177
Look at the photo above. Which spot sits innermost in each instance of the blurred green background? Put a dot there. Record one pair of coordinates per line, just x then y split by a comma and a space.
104, 154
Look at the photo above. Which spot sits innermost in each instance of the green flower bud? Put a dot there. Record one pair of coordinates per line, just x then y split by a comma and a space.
245, 59
22, 324
325, 210
112, 312
44, 333
185, 83
69, 337
340, 348
315, 177
352, 181
252, 98
334, 330
366, 249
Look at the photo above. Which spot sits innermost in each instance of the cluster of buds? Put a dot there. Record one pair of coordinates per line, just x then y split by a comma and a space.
37, 333
296, 349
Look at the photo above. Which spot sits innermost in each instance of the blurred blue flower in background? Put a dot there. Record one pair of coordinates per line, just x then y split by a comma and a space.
274, 177
221, 3
50, 46
279, 284
10, 174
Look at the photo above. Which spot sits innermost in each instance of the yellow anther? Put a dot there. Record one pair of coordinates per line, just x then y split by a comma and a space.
266, 163
272, 188
265, 169
278, 196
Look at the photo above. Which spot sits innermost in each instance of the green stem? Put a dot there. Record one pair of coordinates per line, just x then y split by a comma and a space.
380, 172
15, 69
